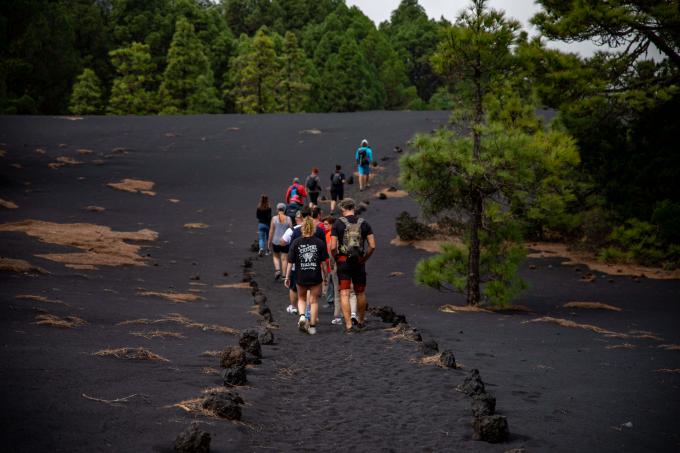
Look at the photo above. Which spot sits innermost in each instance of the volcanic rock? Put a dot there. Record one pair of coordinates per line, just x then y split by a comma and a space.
233, 356
483, 404
447, 359
266, 337
491, 428
260, 299
429, 347
224, 404
252, 359
382, 196
250, 343
235, 375
254, 246
193, 440
472, 384
247, 263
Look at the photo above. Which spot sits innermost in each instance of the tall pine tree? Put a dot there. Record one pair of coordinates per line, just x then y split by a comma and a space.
87, 94
293, 88
188, 83
133, 90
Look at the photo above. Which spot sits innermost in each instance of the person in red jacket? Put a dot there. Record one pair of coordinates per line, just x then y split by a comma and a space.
295, 198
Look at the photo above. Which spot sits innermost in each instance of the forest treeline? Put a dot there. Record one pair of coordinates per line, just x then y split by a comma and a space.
257, 56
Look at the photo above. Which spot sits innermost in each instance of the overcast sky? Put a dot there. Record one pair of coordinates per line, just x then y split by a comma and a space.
522, 10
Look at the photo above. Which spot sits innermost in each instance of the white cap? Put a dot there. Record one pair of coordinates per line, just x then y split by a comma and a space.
364, 142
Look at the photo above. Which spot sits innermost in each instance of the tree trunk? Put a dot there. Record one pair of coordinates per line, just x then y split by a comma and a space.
473, 295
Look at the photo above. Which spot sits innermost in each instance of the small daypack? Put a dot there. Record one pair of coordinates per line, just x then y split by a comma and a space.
312, 183
293, 193
352, 242
337, 179
363, 157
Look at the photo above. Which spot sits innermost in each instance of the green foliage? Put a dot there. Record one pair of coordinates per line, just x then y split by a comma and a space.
642, 242
187, 86
133, 91
86, 98
293, 86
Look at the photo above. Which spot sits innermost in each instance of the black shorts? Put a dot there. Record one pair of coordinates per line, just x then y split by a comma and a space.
337, 194
352, 273
280, 248
313, 197
293, 282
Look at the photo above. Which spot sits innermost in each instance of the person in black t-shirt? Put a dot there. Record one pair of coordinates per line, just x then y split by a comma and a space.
307, 253
348, 246
337, 186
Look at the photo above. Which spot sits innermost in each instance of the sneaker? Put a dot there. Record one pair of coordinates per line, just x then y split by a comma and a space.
294, 311
260, 253
311, 330
337, 321
291, 310
351, 330
361, 325
355, 320
277, 275
302, 323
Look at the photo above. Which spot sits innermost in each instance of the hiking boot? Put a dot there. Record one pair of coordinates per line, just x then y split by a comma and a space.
311, 330
337, 321
302, 323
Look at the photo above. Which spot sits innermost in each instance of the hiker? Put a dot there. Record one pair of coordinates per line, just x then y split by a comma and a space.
348, 237
307, 253
364, 157
295, 198
264, 217
337, 186
288, 237
313, 186
278, 226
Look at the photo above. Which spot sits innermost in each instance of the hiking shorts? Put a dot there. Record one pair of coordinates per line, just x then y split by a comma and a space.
364, 170
293, 281
313, 197
280, 248
352, 274
337, 194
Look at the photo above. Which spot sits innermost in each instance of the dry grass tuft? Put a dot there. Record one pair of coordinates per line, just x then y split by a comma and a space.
173, 297
84, 151
427, 360
8, 204
241, 285
286, 373
182, 320
211, 354
100, 245
41, 299
463, 309
134, 186
610, 333
620, 346
396, 274
131, 354
63, 161
210, 371
173, 200
94, 208
67, 322
670, 347
392, 194
429, 245
195, 405
591, 306
158, 334
668, 370
19, 266
195, 226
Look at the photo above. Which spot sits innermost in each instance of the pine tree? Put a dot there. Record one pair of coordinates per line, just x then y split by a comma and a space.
497, 176
188, 83
253, 74
86, 97
133, 91
293, 88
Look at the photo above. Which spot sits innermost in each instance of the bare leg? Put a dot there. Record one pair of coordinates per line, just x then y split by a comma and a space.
276, 258
314, 305
344, 297
352, 301
361, 306
302, 299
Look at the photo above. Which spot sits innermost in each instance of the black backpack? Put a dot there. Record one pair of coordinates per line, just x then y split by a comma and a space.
312, 183
337, 179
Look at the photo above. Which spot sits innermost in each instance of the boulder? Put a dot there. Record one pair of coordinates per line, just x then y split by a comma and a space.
410, 229
483, 404
252, 359
248, 263
250, 343
491, 428
235, 375
447, 359
266, 313
260, 299
413, 335
232, 356
224, 404
193, 440
472, 384
385, 313
382, 196
266, 337
429, 347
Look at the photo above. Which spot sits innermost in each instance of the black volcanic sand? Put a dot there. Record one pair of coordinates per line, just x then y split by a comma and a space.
562, 389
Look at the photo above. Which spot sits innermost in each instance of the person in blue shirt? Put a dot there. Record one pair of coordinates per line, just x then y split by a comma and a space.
364, 158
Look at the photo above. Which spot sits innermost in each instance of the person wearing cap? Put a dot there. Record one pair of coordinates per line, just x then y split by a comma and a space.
349, 236
277, 228
295, 198
364, 157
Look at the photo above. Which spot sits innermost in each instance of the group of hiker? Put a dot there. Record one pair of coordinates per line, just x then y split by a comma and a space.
319, 254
